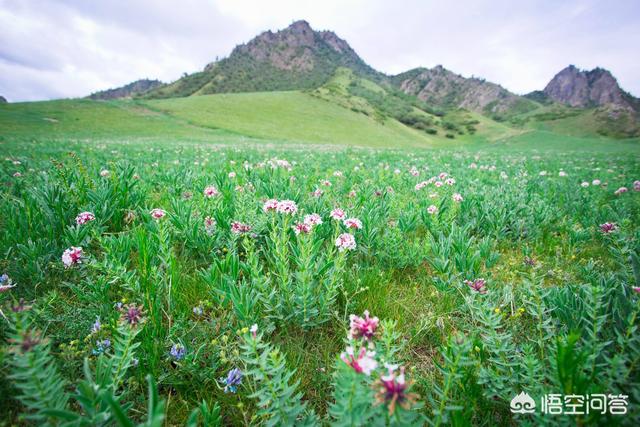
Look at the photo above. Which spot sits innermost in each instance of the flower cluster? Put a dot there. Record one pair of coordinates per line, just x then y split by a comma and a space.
240, 228
393, 389
345, 242
608, 227
84, 217
478, 285
5, 283
157, 213
72, 256
363, 327
211, 191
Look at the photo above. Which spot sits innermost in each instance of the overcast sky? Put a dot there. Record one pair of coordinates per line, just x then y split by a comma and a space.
68, 48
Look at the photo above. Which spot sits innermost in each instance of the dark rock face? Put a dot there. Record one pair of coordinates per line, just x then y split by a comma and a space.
138, 87
3, 100
595, 88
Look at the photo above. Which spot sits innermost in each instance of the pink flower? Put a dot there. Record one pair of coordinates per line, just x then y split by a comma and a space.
450, 181
596, 182
636, 289
326, 183
84, 217
363, 327
17, 175
608, 227
432, 210
337, 214
354, 223
302, 228
392, 389
621, 190
457, 197
364, 363
104, 173
287, 207
636, 185
438, 184
345, 241
211, 191
239, 227
312, 219
157, 213
443, 175
72, 256
232, 174
270, 205
419, 186
254, 330
5, 284
478, 285
317, 193
584, 184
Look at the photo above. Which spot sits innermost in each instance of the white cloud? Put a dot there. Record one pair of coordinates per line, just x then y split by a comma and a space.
67, 48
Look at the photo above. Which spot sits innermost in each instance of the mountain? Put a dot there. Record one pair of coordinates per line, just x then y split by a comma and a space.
584, 89
3, 100
444, 89
291, 59
139, 87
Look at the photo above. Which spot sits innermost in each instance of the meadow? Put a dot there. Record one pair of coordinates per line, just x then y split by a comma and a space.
172, 269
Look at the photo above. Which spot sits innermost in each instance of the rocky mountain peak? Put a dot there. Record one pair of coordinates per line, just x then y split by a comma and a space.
588, 88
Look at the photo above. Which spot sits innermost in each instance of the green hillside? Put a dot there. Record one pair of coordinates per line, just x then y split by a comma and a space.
292, 116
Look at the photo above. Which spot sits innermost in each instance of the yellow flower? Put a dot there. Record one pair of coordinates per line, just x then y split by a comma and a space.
497, 310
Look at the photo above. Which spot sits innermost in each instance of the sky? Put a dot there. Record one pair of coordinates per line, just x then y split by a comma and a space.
71, 48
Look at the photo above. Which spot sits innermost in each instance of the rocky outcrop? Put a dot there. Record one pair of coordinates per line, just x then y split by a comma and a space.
594, 88
444, 89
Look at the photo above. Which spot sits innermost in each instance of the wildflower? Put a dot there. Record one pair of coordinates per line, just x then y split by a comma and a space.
254, 330
419, 186
72, 256
363, 327
584, 184
345, 241
105, 173
438, 184
317, 193
157, 213
28, 341
432, 210
636, 185
95, 328
457, 197
211, 191
232, 174
636, 289
177, 351
270, 205
504, 175
198, 311
17, 175
543, 173
302, 228
287, 207
562, 174
478, 285
596, 182
209, 225
364, 363
450, 181
233, 380
354, 223
313, 219
608, 227
325, 183
620, 191
240, 228
337, 214
84, 217
131, 314
101, 346
5, 283
352, 194
392, 389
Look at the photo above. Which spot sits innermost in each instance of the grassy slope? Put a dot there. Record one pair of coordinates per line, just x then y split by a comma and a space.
292, 116
86, 119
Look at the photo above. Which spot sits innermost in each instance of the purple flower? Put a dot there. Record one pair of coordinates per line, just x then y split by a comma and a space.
478, 285
96, 326
608, 227
233, 380
177, 351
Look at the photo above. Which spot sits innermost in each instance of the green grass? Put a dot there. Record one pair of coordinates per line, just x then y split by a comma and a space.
291, 116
